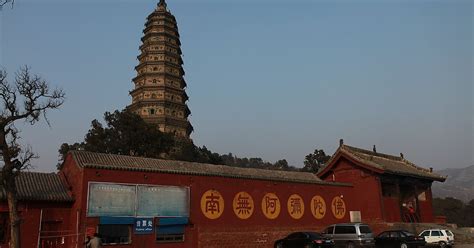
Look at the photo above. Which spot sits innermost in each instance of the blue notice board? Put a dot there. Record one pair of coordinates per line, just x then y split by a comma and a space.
143, 226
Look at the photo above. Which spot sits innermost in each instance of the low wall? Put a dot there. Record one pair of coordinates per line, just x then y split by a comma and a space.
250, 237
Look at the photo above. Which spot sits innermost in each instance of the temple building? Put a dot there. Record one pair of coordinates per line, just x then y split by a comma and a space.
159, 95
400, 189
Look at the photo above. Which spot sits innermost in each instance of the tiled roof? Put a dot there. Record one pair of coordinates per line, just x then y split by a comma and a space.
36, 186
129, 163
388, 163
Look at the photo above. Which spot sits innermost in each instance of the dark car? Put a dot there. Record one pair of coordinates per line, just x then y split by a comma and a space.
398, 239
304, 240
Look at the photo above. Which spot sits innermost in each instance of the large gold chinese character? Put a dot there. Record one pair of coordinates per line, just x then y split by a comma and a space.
243, 205
338, 207
318, 207
212, 204
271, 206
295, 206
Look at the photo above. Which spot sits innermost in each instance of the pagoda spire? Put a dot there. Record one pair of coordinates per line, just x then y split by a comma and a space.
159, 95
162, 4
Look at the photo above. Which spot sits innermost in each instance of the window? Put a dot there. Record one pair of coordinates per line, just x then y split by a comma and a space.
297, 235
314, 236
394, 234
169, 238
345, 229
154, 81
329, 230
111, 200
384, 235
365, 229
425, 233
152, 111
170, 230
436, 233
115, 234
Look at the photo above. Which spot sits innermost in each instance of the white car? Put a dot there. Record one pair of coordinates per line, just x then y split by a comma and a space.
440, 237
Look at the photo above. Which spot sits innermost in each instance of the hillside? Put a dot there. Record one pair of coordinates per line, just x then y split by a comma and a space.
460, 184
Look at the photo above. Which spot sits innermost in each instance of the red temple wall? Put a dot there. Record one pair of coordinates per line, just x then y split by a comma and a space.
52, 216
367, 190
363, 194
256, 230
73, 176
426, 207
392, 209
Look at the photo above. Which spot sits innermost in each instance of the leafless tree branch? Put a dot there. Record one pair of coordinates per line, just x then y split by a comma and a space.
26, 99
4, 2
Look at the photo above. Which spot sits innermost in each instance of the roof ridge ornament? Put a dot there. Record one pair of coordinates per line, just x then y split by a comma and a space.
162, 3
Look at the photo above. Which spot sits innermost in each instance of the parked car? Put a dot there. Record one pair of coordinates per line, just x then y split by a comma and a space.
350, 235
304, 240
398, 239
439, 237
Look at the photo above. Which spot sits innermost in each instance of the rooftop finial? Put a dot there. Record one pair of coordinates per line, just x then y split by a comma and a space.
341, 142
374, 149
162, 3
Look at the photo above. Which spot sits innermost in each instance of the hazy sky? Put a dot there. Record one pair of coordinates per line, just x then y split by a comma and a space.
270, 79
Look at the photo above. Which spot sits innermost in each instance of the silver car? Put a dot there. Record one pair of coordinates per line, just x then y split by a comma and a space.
350, 235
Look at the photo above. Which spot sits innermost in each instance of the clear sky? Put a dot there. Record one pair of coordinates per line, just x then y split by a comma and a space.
271, 79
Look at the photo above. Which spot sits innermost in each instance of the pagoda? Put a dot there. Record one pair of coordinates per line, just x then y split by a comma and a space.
159, 95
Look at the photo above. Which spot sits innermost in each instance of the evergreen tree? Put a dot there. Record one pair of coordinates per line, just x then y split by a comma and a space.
315, 161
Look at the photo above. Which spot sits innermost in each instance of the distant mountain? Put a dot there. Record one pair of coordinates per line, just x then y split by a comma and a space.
460, 184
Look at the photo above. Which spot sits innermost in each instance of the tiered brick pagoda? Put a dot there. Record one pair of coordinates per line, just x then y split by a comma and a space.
159, 96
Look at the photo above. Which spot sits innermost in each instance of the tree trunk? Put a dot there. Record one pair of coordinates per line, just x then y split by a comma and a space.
14, 220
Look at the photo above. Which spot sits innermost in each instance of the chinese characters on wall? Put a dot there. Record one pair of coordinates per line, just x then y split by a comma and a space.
318, 207
295, 206
271, 206
338, 207
212, 204
243, 206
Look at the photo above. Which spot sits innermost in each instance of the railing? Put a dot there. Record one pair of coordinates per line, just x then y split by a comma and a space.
58, 239
411, 217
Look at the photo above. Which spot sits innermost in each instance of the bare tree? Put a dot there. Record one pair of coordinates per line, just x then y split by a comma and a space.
26, 99
4, 2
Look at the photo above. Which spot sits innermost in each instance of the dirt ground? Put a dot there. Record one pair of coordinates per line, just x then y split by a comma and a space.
464, 246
